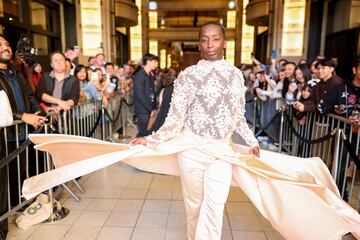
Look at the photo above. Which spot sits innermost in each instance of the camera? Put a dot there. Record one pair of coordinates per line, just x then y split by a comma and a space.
25, 48
355, 114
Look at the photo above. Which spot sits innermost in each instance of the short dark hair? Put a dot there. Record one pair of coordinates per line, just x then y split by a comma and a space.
283, 60
99, 55
326, 63
167, 77
90, 58
109, 64
292, 63
149, 57
356, 63
97, 69
212, 23
56, 52
68, 60
303, 61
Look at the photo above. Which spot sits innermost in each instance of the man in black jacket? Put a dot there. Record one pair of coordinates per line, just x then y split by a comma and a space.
58, 88
23, 104
144, 93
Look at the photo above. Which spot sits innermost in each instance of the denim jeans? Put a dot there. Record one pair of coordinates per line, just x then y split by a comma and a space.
143, 120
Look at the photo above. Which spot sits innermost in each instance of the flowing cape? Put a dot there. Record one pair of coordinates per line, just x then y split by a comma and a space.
297, 195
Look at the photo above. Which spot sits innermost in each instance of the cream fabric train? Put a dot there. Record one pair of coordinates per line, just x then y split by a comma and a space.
297, 195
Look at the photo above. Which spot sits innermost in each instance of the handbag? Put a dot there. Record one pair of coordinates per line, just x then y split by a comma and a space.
37, 212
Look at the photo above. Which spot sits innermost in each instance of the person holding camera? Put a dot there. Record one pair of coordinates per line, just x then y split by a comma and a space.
25, 107
111, 77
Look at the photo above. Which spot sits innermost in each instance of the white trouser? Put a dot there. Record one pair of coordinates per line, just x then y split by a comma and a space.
205, 182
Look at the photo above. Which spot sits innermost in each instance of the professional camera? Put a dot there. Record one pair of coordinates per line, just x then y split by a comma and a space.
25, 48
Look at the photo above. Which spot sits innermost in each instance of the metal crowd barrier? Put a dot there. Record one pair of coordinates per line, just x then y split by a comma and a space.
311, 135
86, 119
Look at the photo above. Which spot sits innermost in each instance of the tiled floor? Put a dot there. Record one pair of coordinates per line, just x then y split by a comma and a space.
124, 203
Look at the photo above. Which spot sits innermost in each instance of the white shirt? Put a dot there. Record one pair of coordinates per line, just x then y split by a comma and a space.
6, 117
208, 99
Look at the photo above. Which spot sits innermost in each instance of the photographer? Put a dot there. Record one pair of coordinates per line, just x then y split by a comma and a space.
23, 60
23, 103
110, 74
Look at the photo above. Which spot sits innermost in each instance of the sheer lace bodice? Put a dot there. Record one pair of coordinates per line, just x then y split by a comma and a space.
208, 99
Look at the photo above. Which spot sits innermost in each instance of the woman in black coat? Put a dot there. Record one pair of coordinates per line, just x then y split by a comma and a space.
167, 79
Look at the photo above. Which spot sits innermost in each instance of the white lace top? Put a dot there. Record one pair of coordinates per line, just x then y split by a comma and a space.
208, 99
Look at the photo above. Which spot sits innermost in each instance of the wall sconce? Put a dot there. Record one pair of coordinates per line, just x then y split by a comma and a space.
153, 5
231, 4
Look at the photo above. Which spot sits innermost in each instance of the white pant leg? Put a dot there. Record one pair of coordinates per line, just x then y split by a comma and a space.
192, 181
206, 183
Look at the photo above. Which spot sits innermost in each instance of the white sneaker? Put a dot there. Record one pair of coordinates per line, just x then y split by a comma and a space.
262, 138
272, 147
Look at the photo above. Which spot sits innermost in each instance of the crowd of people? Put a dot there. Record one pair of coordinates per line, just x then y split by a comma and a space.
28, 93
306, 86
31, 94
309, 87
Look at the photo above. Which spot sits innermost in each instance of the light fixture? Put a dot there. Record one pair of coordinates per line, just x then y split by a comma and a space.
153, 5
221, 21
10, 18
162, 21
231, 4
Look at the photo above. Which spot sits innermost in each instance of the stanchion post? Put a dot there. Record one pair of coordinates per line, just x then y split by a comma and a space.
60, 122
58, 214
335, 163
65, 122
282, 112
123, 121
103, 121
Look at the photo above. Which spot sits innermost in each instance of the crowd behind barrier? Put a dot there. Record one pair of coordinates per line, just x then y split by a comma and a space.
321, 136
281, 104
90, 119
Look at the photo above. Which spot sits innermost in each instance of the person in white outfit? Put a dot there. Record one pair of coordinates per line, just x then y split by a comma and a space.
6, 117
208, 104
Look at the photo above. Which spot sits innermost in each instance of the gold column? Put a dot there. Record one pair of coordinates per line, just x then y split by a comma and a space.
136, 37
145, 25
292, 40
247, 38
275, 18
323, 28
238, 32
91, 24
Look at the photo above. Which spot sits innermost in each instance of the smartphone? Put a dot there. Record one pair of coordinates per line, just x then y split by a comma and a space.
267, 70
273, 54
94, 76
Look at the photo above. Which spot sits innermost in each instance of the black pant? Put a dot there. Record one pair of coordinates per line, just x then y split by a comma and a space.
3, 194
142, 122
14, 174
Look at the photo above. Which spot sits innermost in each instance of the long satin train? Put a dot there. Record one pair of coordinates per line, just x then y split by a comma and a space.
297, 195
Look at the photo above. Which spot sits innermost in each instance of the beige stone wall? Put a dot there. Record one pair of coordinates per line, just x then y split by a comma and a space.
354, 15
